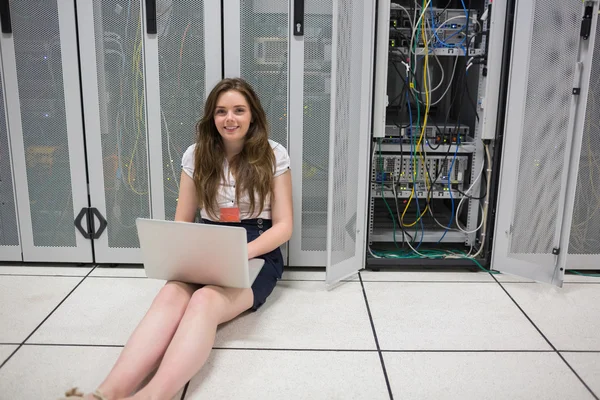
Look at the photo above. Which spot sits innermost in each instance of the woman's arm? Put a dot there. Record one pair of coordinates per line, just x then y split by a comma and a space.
187, 203
281, 215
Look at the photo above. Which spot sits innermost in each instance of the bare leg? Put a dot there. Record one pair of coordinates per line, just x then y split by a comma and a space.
193, 341
149, 341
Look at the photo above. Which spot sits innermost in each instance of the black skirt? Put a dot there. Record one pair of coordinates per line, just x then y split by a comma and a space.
273, 268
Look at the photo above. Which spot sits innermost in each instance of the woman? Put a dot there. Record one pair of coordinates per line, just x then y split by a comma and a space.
235, 175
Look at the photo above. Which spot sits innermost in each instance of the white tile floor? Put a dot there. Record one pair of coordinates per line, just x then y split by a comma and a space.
396, 334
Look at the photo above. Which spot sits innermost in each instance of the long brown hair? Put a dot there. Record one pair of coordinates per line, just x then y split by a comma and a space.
252, 168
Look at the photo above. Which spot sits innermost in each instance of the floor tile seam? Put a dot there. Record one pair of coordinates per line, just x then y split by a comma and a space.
320, 350
185, 389
382, 361
577, 375
274, 349
577, 351
41, 344
47, 316
452, 351
417, 281
537, 283
45, 275
548, 341
83, 278
562, 352
293, 280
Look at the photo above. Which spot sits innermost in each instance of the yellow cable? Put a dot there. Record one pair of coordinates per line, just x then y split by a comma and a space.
591, 167
138, 107
424, 125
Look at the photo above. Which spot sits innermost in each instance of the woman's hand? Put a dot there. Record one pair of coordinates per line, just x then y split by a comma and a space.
282, 216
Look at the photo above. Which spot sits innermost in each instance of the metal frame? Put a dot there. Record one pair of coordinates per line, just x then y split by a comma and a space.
429, 236
92, 112
337, 272
297, 257
489, 96
566, 260
212, 75
504, 61
495, 42
82, 252
473, 211
380, 102
153, 122
231, 39
212, 48
14, 252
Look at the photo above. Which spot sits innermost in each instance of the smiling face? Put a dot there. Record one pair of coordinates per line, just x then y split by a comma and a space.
232, 117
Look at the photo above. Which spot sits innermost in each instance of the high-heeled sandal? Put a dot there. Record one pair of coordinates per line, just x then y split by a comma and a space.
74, 394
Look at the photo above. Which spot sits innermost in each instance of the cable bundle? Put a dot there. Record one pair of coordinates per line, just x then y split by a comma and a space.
421, 98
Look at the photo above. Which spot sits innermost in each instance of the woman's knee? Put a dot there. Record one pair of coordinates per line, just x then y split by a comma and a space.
207, 297
174, 295
223, 304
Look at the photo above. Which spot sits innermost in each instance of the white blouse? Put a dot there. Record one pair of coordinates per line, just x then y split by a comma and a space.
226, 192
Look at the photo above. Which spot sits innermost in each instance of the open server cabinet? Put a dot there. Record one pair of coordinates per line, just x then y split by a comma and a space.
483, 136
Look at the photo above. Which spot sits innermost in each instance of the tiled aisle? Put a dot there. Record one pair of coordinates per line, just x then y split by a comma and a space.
402, 335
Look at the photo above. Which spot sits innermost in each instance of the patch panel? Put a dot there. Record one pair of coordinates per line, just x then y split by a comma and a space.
433, 135
449, 32
433, 171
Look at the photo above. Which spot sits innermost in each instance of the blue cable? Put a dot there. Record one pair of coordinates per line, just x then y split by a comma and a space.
450, 183
434, 27
450, 188
464, 8
442, 42
466, 25
412, 154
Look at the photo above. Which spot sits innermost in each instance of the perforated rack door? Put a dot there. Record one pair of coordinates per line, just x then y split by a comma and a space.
538, 138
316, 123
349, 137
184, 57
309, 124
111, 39
256, 49
584, 242
44, 111
10, 245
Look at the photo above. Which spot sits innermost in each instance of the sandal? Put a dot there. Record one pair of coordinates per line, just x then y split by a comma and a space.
73, 394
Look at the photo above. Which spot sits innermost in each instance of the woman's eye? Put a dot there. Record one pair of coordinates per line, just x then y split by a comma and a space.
240, 110
220, 112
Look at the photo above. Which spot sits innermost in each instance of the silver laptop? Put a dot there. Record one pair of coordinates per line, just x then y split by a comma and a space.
197, 253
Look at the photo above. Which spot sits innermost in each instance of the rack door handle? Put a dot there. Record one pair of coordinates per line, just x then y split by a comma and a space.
5, 16
298, 17
103, 223
151, 16
89, 214
78, 219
